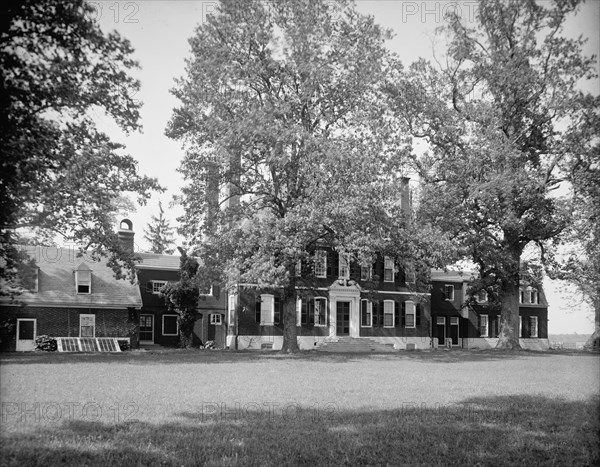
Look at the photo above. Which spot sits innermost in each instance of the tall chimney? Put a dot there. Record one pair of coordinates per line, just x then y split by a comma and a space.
405, 201
126, 234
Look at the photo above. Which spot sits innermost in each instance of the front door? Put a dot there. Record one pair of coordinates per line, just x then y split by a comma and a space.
454, 335
342, 321
146, 329
25, 335
440, 330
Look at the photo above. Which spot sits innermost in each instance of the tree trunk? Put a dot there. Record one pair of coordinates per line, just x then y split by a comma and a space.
290, 331
508, 337
593, 343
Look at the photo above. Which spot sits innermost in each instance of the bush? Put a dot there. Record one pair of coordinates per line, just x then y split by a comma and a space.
209, 345
123, 345
45, 343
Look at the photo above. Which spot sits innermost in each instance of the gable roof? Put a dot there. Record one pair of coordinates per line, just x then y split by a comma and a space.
56, 281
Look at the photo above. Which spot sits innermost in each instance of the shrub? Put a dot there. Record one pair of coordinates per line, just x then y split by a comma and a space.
45, 343
123, 345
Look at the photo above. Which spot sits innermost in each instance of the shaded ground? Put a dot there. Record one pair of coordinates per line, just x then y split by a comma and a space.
222, 408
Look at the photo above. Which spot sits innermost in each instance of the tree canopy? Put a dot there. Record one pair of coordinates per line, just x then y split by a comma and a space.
160, 233
59, 173
504, 122
283, 125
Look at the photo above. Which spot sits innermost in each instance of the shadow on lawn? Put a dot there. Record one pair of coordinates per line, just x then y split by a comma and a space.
170, 356
519, 430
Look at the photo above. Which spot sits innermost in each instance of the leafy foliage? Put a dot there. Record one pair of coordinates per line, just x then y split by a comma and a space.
182, 298
60, 174
160, 234
281, 113
502, 122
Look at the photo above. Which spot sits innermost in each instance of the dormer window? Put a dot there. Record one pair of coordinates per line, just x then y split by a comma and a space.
83, 279
320, 263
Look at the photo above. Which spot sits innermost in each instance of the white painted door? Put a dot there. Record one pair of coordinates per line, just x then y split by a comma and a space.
26, 334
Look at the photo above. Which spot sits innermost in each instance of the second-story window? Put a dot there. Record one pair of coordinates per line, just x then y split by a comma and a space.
388, 269
449, 292
321, 263
344, 267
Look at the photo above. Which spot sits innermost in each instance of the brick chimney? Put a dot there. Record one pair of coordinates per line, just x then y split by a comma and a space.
126, 234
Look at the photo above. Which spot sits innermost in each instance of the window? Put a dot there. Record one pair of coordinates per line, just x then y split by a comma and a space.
344, 267
83, 279
533, 326
534, 297
521, 296
410, 275
449, 292
321, 263
495, 327
388, 314
388, 269
366, 314
320, 312
365, 272
216, 319
277, 310
267, 309
157, 286
298, 269
170, 326
205, 291
410, 315
483, 326
87, 325
313, 311
482, 296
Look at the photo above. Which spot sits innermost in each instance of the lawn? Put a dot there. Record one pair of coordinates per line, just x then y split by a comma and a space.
226, 408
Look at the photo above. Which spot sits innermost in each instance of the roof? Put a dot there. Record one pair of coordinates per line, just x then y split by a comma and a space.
56, 281
440, 275
158, 261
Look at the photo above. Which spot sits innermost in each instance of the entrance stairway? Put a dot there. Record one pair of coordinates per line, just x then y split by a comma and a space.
355, 345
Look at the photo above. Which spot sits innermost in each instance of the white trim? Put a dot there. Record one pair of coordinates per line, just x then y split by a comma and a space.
393, 313
85, 283
214, 321
93, 317
163, 324
157, 282
26, 344
209, 294
153, 326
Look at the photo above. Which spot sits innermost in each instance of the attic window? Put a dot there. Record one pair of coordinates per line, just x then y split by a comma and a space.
83, 279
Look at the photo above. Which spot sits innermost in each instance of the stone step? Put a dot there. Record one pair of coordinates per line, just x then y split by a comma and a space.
351, 344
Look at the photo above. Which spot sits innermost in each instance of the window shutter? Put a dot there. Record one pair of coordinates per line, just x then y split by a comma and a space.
304, 308
403, 314
396, 314
298, 311
257, 310
418, 314
311, 311
149, 286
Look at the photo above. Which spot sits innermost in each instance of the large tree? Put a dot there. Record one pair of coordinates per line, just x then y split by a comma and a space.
160, 233
59, 174
281, 114
502, 121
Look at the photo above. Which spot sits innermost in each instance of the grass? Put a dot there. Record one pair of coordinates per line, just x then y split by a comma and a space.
253, 408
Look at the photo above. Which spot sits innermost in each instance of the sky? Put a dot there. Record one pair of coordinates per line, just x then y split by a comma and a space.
159, 31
